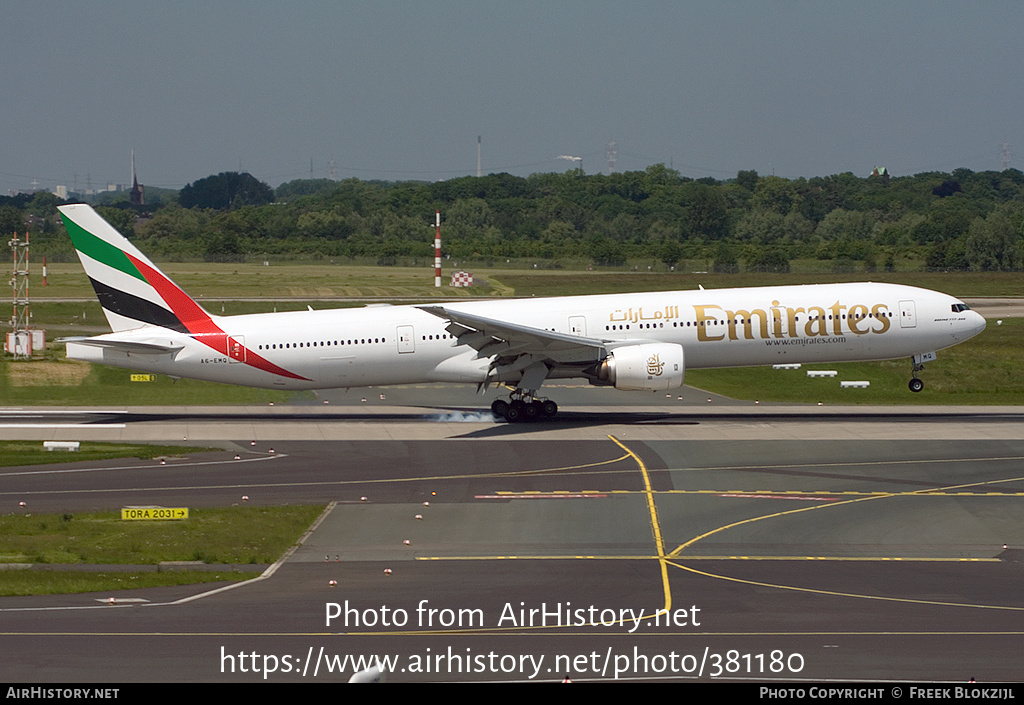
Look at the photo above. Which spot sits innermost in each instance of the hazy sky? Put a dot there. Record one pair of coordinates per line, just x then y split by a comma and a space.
401, 89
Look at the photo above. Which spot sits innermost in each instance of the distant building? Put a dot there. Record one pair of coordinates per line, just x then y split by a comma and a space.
137, 197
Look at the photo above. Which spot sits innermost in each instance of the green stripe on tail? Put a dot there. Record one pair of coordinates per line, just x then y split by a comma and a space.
100, 250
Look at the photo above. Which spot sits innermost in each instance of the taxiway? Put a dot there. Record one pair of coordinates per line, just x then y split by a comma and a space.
783, 542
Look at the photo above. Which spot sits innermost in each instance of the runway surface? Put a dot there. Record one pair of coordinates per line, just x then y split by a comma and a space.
673, 539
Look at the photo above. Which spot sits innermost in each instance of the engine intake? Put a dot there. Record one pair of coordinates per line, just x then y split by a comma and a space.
649, 367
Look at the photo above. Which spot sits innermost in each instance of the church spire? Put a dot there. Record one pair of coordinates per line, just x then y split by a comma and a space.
137, 197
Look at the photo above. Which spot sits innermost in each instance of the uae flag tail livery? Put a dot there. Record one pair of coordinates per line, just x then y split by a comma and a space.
138, 299
132, 290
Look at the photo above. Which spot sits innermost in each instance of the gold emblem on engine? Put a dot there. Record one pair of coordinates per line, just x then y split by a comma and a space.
655, 365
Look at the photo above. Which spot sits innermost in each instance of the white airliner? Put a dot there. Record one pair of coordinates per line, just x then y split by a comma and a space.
642, 341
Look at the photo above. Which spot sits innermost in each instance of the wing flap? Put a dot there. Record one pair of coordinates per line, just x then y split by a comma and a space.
488, 335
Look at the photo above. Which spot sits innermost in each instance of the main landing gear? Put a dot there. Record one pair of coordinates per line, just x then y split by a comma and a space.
523, 406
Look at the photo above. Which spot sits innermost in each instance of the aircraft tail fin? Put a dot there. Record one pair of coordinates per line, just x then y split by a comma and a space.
132, 290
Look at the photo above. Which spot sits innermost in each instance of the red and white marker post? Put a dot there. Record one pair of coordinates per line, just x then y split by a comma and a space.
437, 250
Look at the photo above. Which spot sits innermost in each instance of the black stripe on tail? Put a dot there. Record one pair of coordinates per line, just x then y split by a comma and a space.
135, 307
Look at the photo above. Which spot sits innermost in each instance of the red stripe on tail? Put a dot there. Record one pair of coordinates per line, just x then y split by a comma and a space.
201, 326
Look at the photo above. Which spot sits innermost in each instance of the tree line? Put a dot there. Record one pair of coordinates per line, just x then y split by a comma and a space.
962, 220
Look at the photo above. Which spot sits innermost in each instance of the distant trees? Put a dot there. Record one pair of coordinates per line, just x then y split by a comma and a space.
228, 189
122, 219
725, 261
770, 260
996, 243
958, 220
12, 221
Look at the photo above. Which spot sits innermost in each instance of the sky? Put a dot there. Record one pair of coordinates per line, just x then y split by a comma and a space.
401, 89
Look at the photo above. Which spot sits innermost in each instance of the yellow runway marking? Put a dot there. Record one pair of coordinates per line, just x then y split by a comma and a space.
859, 464
369, 481
924, 492
488, 630
834, 593
695, 539
788, 493
665, 560
849, 493
820, 559
655, 526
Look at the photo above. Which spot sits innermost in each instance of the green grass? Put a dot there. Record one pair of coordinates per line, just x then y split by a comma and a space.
16, 453
78, 384
211, 284
226, 535
983, 370
562, 283
236, 535
59, 582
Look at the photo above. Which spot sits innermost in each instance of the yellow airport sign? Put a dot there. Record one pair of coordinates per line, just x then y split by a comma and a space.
143, 378
153, 513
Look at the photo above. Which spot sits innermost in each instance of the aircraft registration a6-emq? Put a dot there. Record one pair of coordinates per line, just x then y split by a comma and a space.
642, 341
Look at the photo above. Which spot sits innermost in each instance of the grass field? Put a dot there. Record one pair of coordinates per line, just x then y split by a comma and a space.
231, 535
208, 282
226, 535
61, 582
561, 283
68, 383
32, 452
211, 284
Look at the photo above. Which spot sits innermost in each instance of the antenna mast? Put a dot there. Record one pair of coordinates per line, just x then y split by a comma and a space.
19, 343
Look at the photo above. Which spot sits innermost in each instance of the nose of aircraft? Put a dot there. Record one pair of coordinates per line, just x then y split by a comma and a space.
977, 322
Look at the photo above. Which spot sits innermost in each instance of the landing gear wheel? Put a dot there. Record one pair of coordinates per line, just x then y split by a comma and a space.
516, 410
532, 411
916, 385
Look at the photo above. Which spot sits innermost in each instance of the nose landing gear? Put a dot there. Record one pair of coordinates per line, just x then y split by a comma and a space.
918, 361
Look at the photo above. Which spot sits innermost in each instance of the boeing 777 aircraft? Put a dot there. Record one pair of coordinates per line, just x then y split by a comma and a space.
641, 341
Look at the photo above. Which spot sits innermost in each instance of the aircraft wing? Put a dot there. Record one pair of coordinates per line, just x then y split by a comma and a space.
128, 346
489, 336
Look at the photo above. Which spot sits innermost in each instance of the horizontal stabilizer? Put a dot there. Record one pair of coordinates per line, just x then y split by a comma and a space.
129, 346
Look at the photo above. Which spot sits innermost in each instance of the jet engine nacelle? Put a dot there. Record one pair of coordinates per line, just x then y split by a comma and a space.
649, 367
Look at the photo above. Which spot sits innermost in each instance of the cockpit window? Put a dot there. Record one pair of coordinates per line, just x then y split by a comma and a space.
957, 308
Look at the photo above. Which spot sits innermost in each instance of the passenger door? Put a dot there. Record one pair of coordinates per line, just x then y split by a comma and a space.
908, 314
406, 339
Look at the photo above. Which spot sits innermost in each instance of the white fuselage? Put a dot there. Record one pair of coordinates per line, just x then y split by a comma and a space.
382, 345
